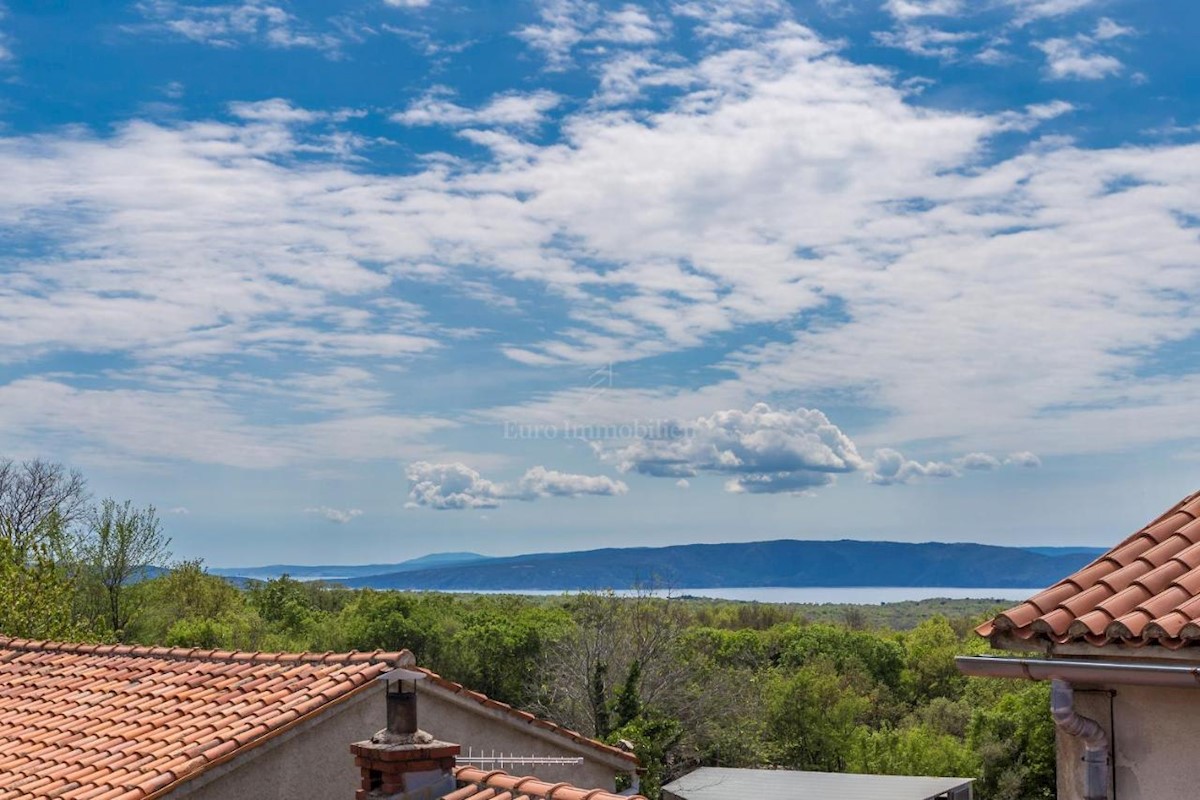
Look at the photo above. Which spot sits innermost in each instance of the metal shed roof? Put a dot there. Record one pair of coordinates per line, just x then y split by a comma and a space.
720, 783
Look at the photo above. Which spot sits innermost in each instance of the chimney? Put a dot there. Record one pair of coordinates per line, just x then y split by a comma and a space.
403, 762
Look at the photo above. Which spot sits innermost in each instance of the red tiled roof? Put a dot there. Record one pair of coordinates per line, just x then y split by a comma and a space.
524, 717
111, 722
1145, 591
479, 784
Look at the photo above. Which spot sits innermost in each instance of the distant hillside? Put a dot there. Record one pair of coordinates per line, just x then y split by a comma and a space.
782, 563
1068, 551
340, 571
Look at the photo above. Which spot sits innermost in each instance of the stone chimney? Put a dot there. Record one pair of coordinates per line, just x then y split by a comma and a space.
403, 762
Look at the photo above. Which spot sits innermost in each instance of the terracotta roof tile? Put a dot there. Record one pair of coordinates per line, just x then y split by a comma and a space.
1145, 591
525, 718
102, 722
479, 784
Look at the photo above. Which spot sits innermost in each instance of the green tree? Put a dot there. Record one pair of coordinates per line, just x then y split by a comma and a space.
599, 698
1015, 742
627, 705
35, 595
186, 599
123, 542
286, 606
913, 750
655, 739
811, 715
929, 668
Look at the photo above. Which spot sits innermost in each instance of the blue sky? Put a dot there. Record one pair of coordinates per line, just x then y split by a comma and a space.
366, 281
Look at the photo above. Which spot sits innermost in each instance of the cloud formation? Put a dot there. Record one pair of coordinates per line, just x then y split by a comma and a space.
1076, 58
337, 515
511, 109
853, 225
234, 24
765, 451
456, 486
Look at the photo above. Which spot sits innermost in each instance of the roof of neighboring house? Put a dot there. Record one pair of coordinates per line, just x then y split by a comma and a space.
723, 783
112, 722
480, 784
518, 717
1145, 591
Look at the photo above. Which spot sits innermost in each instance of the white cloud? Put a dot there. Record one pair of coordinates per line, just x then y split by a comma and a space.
338, 515
407, 3
1075, 59
6, 53
276, 110
980, 461
1030, 10
784, 182
1023, 459
913, 9
180, 510
683, 483
233, 24
629, 25
449, 486
729, 19
511, 109
888, 466
765, 451
1035, 114
541, 482
1107, 29
563, 25
198, 424
925, 41
456, 486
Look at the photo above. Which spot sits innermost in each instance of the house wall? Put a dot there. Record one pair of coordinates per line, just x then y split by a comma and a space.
314, 762
1153, 733
447, 720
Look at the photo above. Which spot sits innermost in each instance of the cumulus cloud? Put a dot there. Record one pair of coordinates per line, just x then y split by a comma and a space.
449, 486
1023, 459
338, 515
1075, 59
979, 461
765, 451
888, 466
457, 486
512, 109
542, 482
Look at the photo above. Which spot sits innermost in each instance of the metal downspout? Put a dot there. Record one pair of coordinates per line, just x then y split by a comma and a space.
1095, 741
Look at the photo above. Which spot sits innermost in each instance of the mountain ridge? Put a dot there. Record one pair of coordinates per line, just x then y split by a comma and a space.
790, 563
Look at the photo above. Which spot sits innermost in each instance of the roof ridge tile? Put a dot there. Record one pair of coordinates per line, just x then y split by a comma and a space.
1143, 592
